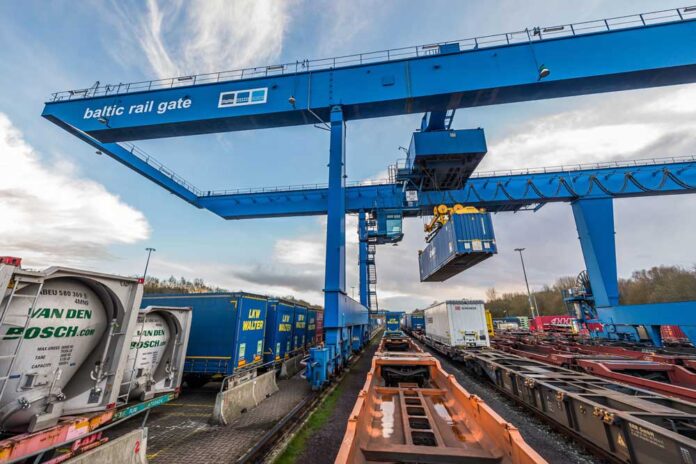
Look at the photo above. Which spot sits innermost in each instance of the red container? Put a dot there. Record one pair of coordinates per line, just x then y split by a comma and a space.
673, 333
545, 323
320, 327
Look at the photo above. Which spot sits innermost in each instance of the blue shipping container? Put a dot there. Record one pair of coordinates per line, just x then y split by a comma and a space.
279, 321
393, 320
311, 327
227, 331
466, 240
299, 333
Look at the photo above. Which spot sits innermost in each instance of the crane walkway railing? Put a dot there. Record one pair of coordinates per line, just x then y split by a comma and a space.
534, 34
568, 168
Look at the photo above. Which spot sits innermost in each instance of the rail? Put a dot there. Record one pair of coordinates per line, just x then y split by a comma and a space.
535, 34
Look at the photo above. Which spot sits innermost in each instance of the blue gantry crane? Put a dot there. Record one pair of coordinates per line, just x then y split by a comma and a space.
641, 51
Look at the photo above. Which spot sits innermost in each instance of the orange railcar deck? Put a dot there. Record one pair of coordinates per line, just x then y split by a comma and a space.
411, 410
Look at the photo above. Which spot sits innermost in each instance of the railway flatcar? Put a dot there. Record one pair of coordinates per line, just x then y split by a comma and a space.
411, 410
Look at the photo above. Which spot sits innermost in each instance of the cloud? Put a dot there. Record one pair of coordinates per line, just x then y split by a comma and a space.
630, 125
200, 36
50, 215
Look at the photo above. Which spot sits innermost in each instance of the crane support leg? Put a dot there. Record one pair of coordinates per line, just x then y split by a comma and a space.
342, 315
594, 219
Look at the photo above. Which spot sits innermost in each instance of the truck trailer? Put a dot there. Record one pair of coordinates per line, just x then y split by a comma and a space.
227, 332
454, 325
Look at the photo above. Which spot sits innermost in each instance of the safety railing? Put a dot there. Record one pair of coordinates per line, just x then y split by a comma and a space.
524, 36
586, 166
157, 165
483, 174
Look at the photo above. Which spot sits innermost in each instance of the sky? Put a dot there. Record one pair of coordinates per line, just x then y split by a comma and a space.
62, 204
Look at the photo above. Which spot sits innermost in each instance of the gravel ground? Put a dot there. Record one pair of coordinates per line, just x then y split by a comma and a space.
322, 447
550, 444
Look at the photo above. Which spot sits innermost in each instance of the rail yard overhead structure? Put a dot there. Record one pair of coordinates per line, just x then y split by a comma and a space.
640, 51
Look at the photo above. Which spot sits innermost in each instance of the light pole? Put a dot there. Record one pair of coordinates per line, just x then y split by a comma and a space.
147, 263
532, 305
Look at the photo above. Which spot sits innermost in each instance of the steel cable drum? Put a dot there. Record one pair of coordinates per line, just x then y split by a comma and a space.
66, 325
148, 349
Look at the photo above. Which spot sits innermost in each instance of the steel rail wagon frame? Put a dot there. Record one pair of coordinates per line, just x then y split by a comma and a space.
661, 373
628, 424
411, 410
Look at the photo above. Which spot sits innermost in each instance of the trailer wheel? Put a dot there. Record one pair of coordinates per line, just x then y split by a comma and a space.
196, 381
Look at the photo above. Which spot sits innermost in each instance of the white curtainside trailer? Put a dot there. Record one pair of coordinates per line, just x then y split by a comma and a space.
456, 324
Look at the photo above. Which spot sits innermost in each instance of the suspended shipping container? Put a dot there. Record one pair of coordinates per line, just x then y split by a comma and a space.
465, 240
227, 333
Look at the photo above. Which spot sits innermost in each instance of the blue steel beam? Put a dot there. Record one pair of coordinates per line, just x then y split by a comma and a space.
496, 192
594, 219
142, 163
605, 61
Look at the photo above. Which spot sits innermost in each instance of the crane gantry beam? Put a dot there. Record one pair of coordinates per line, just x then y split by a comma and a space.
602, 56
494, 192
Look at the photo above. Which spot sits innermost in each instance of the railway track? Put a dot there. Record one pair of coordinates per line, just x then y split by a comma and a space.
618, 422
274, 442
284, 429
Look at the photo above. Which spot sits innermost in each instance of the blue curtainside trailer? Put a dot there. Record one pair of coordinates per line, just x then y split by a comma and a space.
416, 322
311, 327
465, 240
299, 333
280, 318
393, 320
227, 332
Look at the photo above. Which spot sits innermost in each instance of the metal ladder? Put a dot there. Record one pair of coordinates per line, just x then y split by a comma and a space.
123, 399
38, 282
372, 275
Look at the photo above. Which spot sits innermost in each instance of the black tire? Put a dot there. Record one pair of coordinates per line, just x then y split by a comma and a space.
196, 381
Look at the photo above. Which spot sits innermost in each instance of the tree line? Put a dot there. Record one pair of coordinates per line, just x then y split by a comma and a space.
155, 285
655, 285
